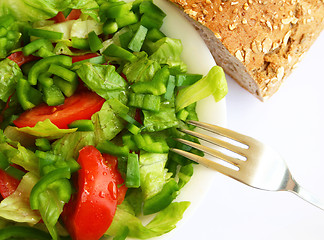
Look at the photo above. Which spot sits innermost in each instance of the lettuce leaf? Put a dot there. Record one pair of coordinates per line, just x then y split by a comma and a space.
69, 145
153, 173
157, 121
104, 80
168, 51
214, 83
46, 129
141, 70
9, 75
16, 207
162, 223
107, 123
34, 10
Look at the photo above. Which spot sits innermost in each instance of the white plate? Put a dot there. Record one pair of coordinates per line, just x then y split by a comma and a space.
199, 60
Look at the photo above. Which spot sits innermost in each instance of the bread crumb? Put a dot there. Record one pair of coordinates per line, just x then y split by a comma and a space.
266, 45
245, 6
280, 73
232, 26
286, 37
244, 21
239, 55
217, 35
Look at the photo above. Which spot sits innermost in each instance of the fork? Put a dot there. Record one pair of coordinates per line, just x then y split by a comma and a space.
248, 161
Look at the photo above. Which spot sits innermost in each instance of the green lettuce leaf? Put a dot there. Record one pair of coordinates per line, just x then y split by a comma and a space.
153, 173
214, 83
107, 123
20, 155
157, 121
103, 79
141, 70
46, 129
9, 75
68, 146
34, 10
162, 223
168, 51
16, 207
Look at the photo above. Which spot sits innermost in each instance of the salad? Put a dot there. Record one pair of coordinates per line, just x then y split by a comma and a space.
92, 94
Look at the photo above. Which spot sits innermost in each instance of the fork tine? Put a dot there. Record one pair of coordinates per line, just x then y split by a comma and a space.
236, 149
212, 152
246, 140
208, 163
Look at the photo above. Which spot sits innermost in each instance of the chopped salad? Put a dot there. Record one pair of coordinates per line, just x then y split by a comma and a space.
92, 95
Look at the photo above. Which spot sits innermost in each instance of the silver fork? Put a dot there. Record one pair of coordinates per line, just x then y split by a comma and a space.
250, 162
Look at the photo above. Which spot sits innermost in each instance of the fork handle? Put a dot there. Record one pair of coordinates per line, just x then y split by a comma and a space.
305, 194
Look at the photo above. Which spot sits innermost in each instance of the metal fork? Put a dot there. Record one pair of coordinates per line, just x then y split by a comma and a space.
250, 162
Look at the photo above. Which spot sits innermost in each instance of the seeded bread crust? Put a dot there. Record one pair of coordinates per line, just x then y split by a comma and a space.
257, 42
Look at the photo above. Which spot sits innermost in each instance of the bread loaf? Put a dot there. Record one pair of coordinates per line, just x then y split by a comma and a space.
257, 42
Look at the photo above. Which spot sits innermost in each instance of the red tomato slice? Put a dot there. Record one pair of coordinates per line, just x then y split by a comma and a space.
8, 184
59, 18
90, 211
122, 189
84, 57
73, 15
81, 105
20, 58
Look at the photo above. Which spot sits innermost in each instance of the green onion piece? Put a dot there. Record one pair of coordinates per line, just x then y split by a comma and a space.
10, 170
125, 38
182, 114
133, 171
114, 50
149, 22
62, 72
154, 35
187, 79
110, 27
139, 141
53, 96
163, 199
137, 41
43, 144
44, 52
170, 88
148, 7
82, 125
28, 96
117, 10
42, 184
36, 45
126, 20
157, 86
145, 101
128, 141
95, 42
68, 88
133, 129
45, 79
43, 65
45, 34
80, 43
112, 149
